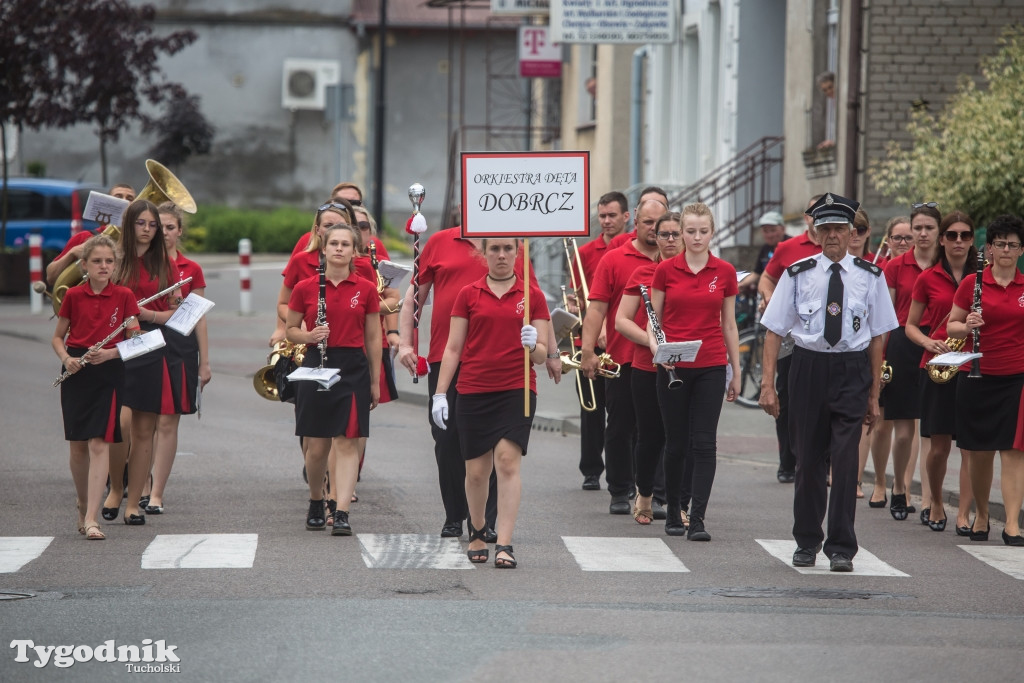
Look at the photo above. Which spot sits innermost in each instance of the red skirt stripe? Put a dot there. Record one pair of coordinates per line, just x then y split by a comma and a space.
166, 395
352, 431
112, 419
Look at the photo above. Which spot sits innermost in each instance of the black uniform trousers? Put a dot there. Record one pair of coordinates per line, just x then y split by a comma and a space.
650, 436
787, 459
592, 427
620, 433
451, 465
828, 401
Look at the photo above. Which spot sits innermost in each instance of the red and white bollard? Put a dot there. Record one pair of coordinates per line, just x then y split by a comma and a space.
35, 271
244, 251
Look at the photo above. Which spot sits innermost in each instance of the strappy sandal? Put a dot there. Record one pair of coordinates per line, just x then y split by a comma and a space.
642, 513
332, 507
94, 533
504, 562
477, 556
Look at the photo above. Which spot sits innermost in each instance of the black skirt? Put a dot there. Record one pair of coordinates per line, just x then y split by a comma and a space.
938, 408
147, 380
344, 410
90, 400
903, 394
485, 419
388, 388
183, 369
988, 415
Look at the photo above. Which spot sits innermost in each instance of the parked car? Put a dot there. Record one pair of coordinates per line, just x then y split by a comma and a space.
51, 208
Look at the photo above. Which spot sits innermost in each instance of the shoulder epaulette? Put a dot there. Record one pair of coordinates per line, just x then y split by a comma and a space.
868, 266
801, 266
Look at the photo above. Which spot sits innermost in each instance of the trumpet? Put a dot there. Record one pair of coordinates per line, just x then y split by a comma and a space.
606, 367
264, 381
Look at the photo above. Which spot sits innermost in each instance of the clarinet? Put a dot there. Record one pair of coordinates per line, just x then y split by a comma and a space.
321, 309
659, 334
976, 307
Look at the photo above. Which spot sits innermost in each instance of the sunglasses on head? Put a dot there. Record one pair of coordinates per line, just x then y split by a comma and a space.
331, 205
930, 205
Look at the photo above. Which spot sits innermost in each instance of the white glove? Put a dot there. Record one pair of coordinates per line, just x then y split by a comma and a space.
529, 336
439, 410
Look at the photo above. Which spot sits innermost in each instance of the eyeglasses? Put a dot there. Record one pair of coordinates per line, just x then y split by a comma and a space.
862, 229
954, 236
901, 238
669, 236
1003, 244
363, 225
930, 205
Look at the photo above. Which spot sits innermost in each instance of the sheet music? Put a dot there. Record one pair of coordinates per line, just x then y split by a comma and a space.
142, 344
326, 377
563, 322
393, 273
189, 313
740, 274
104, 208
677, 352
954, 358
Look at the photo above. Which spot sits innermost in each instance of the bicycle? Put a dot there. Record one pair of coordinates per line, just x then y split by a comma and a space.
751, 347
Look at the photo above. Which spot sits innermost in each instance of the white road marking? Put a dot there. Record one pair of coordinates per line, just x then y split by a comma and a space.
864, 564
1007, 559
412, 551
200, 551
618, 554
17, 551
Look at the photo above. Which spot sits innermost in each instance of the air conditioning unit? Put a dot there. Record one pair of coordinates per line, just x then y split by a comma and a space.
304, 82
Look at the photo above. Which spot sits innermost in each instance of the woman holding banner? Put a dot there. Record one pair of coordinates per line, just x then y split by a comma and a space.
489, 329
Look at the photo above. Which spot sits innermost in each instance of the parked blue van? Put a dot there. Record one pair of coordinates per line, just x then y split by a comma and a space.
51, 208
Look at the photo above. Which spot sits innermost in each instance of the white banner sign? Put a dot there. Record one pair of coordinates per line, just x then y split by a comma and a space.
525, 194
614, 21
520, 7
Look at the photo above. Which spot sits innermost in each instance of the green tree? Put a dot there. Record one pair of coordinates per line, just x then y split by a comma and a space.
971, 156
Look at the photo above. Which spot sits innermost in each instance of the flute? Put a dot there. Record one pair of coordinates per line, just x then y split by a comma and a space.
659, 334
127, 321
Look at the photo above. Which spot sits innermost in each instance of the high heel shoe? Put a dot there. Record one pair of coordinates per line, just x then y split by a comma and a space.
981, 535
1017, 540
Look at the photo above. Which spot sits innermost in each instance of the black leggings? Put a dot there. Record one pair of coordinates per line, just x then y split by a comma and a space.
690, 415
650, 435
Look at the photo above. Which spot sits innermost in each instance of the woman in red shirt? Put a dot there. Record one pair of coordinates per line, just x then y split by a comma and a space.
694, 297
331, 422
91, 397
990, 409
631, 322
485, 343
926, 327
145, 269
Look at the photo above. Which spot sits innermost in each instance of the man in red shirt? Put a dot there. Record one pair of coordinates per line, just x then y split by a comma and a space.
786, 254
73, 249
652, 192
610, 281
613, 215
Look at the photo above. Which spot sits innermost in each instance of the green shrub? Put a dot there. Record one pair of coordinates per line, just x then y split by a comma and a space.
219, 228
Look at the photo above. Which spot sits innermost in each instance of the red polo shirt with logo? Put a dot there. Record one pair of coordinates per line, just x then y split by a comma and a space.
348, 304
610, 282
1003, 311
93, 316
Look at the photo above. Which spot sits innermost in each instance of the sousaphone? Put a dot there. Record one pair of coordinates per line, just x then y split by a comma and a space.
163, 186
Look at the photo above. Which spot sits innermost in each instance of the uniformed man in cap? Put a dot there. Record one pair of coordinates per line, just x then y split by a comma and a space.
838, 309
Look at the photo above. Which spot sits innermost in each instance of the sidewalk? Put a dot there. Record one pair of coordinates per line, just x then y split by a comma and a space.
238, 346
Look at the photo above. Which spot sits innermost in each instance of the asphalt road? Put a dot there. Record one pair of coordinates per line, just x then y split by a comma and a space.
596, 597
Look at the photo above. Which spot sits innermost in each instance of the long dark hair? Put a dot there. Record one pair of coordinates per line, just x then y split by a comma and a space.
154, 260
948, 221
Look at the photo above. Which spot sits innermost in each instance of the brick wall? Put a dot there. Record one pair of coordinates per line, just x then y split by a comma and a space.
916, 51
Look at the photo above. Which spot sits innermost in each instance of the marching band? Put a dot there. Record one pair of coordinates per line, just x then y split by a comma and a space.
845, 316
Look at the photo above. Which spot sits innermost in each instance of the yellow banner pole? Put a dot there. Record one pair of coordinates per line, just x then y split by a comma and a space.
526, 321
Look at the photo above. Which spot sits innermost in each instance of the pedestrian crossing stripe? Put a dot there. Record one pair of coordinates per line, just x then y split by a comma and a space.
412, 551
1006, 559
17, 551
619, 554
200, 551
864, 564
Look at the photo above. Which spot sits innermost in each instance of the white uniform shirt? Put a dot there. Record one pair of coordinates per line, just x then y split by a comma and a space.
799, 304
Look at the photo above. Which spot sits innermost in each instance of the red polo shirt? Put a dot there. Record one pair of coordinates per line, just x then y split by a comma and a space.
448, 263
622, 238
81, 238
492, 358
382, 252
935, 289
148, 286
900, 274
789, 252
693, 305
301, 266
348, 304
1003, 311
185, 267
609, 283
643, 360
591, 254
94, 316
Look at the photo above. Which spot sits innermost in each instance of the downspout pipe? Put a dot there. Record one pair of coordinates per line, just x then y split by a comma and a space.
636, 110
853, 100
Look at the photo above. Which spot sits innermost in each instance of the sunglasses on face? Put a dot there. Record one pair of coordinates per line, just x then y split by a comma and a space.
954, 236
353, 202
930, 205
363, 225
861, 229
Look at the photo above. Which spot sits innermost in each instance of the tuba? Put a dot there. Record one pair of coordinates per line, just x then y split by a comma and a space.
163, 186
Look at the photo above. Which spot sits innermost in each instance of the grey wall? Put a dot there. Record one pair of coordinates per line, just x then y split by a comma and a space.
761, 70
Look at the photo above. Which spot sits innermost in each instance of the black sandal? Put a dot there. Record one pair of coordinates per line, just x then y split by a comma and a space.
504, 562
477, 556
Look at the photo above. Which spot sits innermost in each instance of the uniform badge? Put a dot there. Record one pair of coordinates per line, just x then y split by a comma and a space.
856, 323
834, 308
828, 199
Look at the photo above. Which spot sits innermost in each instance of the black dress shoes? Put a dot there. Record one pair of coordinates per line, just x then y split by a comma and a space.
1017, 540
785, 477
592, 482
451, 530
135, 520
804, 557
674, 521
980, 535
696, 531
315, 517
619, 505
841, 563
341, 526
658, 508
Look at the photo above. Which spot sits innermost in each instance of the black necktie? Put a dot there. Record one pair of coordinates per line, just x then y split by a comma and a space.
834, 310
